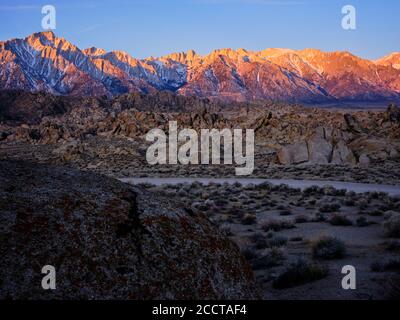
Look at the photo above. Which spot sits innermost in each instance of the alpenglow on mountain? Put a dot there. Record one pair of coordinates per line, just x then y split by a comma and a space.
44, 62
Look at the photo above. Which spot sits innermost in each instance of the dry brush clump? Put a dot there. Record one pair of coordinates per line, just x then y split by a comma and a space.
338, 219
391, 227
328, 248
301, 218
388, 265
393, 287
329, 207
249, 219
269, 241
277, 225
363, 222
273, 258
392, 245
298, 273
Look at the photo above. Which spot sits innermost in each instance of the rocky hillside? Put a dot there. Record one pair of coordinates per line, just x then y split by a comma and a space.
108, 240
286, 134
45, 62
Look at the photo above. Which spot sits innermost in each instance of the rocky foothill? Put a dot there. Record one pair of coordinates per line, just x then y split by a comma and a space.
287, 135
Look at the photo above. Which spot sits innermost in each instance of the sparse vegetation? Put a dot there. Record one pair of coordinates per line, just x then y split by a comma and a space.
391, 227
362, 222
338, 219
299, 273
285, 212
277, 241
329, 207
301, 218
249, 253
274, 257
390, 265
277, 225
392, 245
328, 248
249, 219
393, 287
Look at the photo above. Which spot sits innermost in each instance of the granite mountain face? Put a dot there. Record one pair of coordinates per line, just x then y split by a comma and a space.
44, 62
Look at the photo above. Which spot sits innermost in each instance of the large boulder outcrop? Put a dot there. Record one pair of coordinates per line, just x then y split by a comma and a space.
320, 150
295, 153
342, 154
108, 240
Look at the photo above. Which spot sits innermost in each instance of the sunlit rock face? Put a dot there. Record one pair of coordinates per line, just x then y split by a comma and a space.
43, 61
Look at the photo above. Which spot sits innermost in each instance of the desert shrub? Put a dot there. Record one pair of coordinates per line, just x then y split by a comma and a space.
385, 207
377, 266
277, 225
249, 218
285, 212
226, 230
249, 253
340, 220
221, 202
312, 202
329, 190
265, 185
259, 240
273, 203
362, 222
312, 190
273, 258
257, 206
328, 248
392, 245
362, 204
388, 214
376, 194
349, 202
318, 217
391, 227
182, 193
301, 218
393, 288
329, 207
299, 273
351, 194
277, 241
390, 265
270, 234
237, 184
375, 213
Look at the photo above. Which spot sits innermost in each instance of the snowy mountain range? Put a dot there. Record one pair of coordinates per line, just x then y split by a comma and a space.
44, 62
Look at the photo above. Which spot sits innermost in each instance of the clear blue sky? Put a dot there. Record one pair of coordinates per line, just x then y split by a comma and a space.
155, 27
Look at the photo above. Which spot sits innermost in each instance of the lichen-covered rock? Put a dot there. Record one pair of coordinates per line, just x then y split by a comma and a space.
320, 150
342, 154
108, 240
294, 153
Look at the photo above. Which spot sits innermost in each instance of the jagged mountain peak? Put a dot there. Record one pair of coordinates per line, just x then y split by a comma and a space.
392, 59
43, 61
93, 51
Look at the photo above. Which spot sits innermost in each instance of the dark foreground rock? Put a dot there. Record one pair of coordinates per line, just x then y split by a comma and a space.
108, 240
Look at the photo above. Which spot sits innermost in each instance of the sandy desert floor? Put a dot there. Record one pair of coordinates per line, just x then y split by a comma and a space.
316, 231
